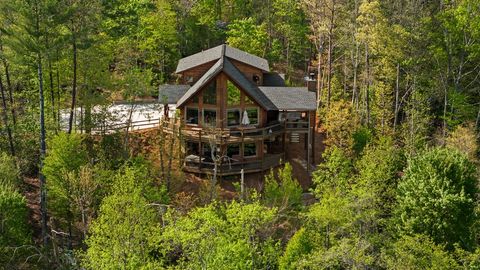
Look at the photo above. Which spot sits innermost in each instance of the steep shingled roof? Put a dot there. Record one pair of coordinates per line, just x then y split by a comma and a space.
223, 64
206, 78
291, 98
218, 52
170, 94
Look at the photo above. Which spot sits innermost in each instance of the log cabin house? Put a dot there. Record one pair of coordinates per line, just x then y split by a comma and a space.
236, 114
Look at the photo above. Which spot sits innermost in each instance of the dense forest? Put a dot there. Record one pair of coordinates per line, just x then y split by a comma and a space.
398, 86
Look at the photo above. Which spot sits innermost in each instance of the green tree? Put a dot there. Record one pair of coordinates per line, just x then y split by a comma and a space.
334, 173
436, 197
282, 190
14, 229
222, 236
418, 252
247, 35
121, 237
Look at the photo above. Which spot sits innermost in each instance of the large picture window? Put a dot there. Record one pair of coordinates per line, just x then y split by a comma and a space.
210, 117
210, 94
233, 94
233, 117
249, 150
191, 116
252, 115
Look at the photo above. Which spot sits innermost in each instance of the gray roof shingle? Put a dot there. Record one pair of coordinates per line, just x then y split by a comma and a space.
170, 94
216, 53
209, 75
291, 98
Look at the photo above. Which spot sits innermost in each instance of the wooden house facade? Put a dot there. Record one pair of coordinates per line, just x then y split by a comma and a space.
236, 114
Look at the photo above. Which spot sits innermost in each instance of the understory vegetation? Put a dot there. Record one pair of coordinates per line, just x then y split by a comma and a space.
398, 102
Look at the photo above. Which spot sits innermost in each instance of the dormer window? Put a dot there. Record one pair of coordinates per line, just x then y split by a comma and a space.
256, 78
189, 79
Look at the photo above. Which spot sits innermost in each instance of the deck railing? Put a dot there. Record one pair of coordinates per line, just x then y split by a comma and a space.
231, 168
236, 134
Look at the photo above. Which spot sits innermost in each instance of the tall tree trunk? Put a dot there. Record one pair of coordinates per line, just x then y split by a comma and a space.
330, 53
9, 87
397, 97
5, 118
43, 147
57, 73
74, 83
170, 155
367, 84
319, 78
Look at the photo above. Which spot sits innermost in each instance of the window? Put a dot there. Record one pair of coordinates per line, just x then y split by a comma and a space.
210, 117
248, 100
233, 94
252, 115
191, 117
233, 150
210, 94
193, 148
249, 150
233, 117
195, 99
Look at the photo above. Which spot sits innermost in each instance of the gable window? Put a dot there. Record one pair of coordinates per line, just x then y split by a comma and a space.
248, 100
249, 150
191, 116
210, 117
233, 117
252, 115
256, 79
233, 94
210, 94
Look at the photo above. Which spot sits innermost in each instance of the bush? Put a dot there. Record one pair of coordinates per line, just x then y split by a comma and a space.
282, 190
9, 174
14, 229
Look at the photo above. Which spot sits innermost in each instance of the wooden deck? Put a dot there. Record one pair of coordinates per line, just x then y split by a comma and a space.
269, 161
237, 134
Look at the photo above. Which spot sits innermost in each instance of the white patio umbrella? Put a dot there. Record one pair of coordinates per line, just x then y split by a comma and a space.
245, 120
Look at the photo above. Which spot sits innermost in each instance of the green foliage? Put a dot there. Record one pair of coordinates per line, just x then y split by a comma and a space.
13, 219
136, 175
247, 35
418, 252
378, 175
298, 246
66, 155
121, 237
361, 138
282, 190
9, 174
14, 229
436, 197
333, 173
222, 236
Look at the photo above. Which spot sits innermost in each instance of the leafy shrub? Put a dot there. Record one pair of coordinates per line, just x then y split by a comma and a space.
282, 190
436, 197
9, 174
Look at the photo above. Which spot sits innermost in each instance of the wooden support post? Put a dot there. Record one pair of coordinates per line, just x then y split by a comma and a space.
201, 150
314, 128
309, 144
